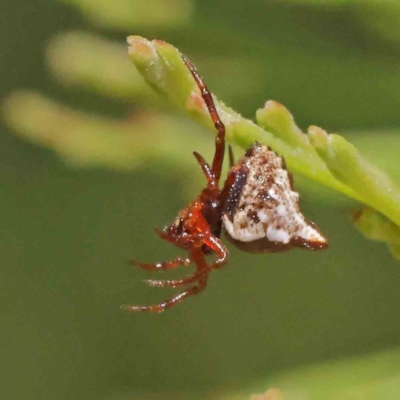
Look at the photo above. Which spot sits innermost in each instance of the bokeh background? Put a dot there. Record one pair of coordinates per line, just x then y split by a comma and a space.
75, 207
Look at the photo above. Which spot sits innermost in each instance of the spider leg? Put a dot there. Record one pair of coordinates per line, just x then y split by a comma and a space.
181, 240
173, 283
216, 245
160, 307
227, 186
198, 257
177, 282
162, 266
165, 235
206, 169
166, 265
219, 126
231, 157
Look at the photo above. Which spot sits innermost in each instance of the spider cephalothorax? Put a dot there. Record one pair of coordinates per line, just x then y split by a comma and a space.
257, 208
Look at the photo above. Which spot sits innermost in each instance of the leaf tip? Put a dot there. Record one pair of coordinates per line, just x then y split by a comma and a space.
272, 104
375, 226
318, 137
139, 45
274, 109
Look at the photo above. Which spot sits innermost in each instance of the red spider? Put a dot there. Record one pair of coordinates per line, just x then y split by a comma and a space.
257, 207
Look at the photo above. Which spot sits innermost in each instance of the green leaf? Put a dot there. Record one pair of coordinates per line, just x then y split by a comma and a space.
325, 158
80, 58
374, 225
162, 67
136, 14
373, 186
370, 377
93, 141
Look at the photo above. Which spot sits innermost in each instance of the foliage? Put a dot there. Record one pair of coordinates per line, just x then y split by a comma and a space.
326, 158
152, 133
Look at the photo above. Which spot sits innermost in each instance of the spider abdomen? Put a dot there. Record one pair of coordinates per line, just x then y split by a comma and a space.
262, 211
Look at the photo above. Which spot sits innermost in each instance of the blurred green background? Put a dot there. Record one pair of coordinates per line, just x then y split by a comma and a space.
68, 228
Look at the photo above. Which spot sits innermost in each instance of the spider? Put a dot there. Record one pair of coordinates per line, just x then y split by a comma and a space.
256, 207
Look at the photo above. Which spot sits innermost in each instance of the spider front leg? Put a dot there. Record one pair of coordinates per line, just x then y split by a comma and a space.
216, 245
165, 265
231, 157
197, 256
218, 159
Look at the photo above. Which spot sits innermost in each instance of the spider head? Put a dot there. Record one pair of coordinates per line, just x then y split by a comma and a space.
201, 218
177, 232
177, 228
